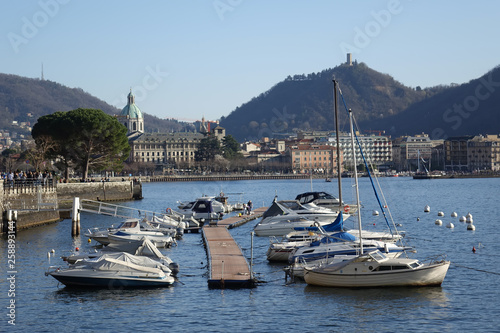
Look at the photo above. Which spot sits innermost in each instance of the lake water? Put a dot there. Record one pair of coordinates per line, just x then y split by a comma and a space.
468, 300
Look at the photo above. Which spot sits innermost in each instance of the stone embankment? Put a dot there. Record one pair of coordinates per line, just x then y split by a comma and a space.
38, 202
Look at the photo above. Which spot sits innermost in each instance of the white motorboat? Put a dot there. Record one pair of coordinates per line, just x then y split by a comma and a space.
203, 208
325, 200
373, 269
157, 238
115, 271
282, 217
143, 247
129, 230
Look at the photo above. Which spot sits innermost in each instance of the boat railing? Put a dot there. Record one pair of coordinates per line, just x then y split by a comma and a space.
434, 259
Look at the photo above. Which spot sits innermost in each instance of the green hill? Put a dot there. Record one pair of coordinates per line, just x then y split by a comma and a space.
467, 109
25, 100
305, 102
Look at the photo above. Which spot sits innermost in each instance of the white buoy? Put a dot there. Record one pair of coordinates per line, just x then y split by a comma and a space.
471, 227
427, 209
462, 219
450, 225
440, 214
454, 214
375, 213
52, 251
438, 222
468, 218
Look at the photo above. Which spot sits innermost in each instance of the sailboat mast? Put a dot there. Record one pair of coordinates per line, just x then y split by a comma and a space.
339, 175
356, 180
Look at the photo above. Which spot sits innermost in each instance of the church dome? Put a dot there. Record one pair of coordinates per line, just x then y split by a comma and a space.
131, 110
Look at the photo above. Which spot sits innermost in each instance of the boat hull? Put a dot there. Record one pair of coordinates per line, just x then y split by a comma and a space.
111, 281
429, 275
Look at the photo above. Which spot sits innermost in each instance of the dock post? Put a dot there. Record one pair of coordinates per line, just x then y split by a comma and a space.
75, 225
251, 256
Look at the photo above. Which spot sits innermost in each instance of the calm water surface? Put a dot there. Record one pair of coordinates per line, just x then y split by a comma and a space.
467, 301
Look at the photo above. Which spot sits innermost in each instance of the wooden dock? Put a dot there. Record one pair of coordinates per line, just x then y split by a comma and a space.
227, 264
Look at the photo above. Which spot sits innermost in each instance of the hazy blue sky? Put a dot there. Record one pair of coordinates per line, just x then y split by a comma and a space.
185, 59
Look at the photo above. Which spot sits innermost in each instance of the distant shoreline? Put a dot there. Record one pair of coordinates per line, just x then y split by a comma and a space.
233, 177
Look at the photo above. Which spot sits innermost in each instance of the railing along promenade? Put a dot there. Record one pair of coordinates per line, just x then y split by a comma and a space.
222, 177
27, 185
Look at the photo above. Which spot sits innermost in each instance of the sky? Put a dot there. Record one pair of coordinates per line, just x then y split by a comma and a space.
188, 59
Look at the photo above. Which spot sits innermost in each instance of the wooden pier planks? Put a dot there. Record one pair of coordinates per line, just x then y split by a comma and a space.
228, 266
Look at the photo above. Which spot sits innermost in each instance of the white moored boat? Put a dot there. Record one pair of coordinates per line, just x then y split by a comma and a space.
115, 270
373, 269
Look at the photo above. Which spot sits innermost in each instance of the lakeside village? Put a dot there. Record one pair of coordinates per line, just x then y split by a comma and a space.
155, 154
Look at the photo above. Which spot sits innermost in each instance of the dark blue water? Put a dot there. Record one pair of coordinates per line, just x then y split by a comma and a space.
468, 299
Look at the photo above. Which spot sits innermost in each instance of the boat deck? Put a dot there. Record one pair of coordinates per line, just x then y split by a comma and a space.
228, 266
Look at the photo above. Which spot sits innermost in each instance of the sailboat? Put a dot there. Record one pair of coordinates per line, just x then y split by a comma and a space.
373, 269
420, 174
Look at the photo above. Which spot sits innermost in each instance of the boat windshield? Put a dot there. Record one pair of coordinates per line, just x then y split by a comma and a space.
130, 224
377, 256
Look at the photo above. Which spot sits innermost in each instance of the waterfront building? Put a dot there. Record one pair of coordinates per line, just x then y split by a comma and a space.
166, 151
407, 149
483, 153
455, 153
320, 158
376, 148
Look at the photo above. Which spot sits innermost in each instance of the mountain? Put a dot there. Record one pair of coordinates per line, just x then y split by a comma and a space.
25, 100
467, 109
305, 102
379, 103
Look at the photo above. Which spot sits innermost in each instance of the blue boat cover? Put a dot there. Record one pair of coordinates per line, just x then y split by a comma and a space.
334, 238
336, 225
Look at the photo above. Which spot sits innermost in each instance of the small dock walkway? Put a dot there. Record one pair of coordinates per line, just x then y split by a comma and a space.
228, 266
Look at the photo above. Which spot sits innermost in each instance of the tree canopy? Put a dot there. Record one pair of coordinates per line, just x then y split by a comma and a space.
208, 148
85, 139
231, 148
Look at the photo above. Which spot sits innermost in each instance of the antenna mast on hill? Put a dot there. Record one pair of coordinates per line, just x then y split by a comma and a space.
42, 72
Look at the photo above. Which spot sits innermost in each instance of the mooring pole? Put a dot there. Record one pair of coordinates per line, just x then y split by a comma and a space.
75, 225
251, 256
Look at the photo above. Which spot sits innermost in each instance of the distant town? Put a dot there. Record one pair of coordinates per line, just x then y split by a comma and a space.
305, 152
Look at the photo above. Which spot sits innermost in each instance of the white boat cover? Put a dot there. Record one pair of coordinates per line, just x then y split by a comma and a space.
124, 261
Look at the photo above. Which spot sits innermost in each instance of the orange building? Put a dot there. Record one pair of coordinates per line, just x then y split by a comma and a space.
316, 157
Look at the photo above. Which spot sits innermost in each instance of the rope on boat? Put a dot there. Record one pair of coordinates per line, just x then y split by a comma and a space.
475, 269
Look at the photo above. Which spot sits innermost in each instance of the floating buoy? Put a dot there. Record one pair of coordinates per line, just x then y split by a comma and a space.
385, 206
462, 219
438, 222
77, 249
89, 240
52, 251
375, 213
418, 218
399, 225
427, 209
471, 227
440, 214
473, 249
450, 225
468, 218
454, 214
48, 254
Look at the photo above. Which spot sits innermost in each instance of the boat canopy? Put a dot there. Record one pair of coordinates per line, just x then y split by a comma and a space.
203, 206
